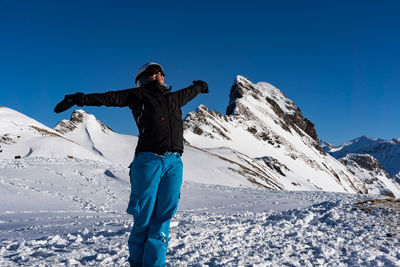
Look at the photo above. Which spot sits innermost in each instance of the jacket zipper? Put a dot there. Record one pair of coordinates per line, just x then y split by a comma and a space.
170, 126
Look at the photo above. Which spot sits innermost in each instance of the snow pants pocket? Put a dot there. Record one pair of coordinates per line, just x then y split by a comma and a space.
143, 173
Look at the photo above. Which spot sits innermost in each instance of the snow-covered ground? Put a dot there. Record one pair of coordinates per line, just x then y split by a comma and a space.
71, 212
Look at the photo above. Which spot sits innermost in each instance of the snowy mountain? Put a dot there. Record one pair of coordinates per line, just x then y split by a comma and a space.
267, 132
263, 141
387, 152
23, 137
98, 138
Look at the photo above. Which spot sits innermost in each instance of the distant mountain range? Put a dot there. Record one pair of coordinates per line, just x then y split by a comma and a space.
263, 140
387, 152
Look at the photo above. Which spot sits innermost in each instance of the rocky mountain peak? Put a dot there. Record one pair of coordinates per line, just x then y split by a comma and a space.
271, 101
207, 123
79, 118
260, 92
261, 111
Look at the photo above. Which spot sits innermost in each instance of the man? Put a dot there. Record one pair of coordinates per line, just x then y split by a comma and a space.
156, 171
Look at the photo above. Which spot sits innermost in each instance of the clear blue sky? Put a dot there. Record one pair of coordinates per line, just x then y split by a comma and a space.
339, 61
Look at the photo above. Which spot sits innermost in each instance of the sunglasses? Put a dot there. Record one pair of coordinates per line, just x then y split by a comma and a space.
154, 69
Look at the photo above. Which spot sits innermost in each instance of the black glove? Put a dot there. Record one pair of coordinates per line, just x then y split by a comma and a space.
203, 86
69, 101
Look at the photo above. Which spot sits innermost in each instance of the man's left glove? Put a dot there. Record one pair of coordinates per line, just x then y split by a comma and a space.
203, 86
69, 101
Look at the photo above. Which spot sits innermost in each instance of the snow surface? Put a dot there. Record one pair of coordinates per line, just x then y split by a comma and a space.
71, 212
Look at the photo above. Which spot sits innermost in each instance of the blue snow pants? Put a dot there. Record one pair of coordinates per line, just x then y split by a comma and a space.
155, 187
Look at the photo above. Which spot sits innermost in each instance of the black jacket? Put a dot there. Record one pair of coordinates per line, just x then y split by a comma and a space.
157, 113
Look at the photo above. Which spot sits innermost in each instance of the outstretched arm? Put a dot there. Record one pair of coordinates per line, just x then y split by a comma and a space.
185, 95
113, 98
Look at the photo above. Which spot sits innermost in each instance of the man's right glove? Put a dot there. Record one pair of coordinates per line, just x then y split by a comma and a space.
69, 101
203, 86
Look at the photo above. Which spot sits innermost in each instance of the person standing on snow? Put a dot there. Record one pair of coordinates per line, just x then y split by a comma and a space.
156, 171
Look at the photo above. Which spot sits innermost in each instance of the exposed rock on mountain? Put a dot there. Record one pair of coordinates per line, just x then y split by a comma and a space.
290, 115
77, 118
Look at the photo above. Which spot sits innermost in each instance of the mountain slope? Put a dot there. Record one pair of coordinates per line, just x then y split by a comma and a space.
264, 125
375, 179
